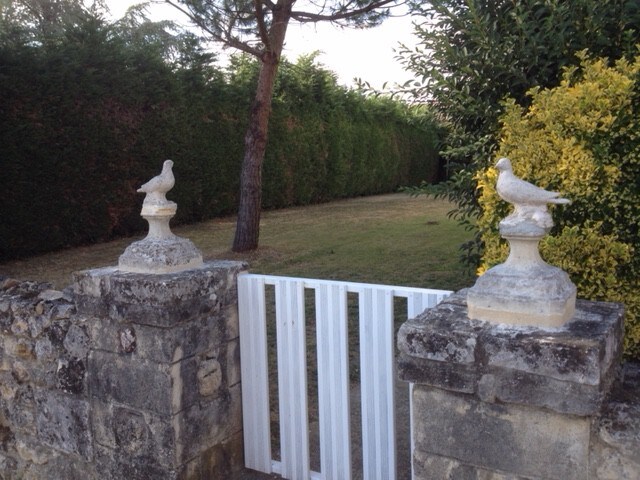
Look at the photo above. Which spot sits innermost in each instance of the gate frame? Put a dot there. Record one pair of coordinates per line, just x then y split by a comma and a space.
376, 328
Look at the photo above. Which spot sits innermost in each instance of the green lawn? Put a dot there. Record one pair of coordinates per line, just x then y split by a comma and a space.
389, 239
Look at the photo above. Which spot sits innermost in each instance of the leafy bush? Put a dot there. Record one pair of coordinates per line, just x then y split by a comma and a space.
581, 138
474, 53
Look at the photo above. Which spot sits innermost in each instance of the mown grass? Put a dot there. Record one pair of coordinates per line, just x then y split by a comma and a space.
390, 239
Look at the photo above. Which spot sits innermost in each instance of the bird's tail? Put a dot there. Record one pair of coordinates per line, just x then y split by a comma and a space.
560, 201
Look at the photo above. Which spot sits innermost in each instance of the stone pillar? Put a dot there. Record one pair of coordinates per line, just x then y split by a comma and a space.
163, 372
496, 401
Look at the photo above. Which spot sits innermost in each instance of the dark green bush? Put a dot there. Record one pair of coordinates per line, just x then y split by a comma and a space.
88, 116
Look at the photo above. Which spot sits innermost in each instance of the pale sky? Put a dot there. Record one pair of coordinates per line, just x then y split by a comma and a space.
367, 54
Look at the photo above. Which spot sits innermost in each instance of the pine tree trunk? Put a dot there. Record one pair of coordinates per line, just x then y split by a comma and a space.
255, 141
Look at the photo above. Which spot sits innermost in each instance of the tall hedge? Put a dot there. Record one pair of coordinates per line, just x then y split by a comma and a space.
581, 138
88, 116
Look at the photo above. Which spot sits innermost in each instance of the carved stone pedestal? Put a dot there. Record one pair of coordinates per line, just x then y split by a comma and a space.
524, 290
160, 251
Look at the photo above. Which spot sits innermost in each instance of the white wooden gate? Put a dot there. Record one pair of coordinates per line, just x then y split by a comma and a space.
376, 340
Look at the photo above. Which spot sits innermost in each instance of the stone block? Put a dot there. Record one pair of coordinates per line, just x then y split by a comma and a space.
34, 453
8, 385
130, 380
44, 349
17, 347
607, 463
63, 423
513, 439
528, 389
134, 433
162, 345
209, 376
43, 463
162, 300
76, 341
57, 332
115, 465
7, 437
71, 374
8, 467
568, 369
581, 352
434, 467
221, 461
208, 423
37, 324
452, 377
142, 441
116, 378
17, 406
615, 445
61, 310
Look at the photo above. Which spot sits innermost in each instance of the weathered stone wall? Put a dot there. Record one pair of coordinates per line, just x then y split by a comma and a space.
44, 402
501, 402
125, 376
133, 376
615, 440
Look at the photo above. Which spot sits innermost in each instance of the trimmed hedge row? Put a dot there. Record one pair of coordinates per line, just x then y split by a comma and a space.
88, 118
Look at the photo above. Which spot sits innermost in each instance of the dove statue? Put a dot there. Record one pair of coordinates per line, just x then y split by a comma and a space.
158, 186
160, 251
530, 201
524, 290
519, 192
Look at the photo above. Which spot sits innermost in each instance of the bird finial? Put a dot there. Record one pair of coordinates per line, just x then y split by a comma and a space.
529, 201
524, 290
158, 186
520, 192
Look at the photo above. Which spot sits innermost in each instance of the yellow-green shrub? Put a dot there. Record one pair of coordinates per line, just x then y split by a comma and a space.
581, 138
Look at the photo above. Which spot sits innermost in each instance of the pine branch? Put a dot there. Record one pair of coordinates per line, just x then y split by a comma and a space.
306, 17
227, 38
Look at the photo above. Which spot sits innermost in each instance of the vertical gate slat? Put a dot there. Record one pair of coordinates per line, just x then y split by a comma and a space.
415, 304
254, 371
418, 302
377, 384
333, 381
292, 379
